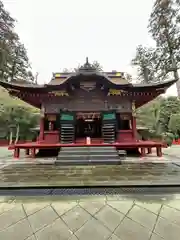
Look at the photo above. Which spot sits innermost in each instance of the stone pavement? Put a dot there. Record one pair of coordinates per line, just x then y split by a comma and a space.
172, 151
87, 218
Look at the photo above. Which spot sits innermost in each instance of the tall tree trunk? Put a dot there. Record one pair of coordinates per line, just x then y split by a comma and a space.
176, 76
174, 66
17, 134
10, 137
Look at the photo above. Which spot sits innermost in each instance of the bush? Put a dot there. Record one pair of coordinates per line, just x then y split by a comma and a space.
168, 138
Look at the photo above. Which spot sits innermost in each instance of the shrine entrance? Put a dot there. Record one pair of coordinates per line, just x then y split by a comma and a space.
88, 125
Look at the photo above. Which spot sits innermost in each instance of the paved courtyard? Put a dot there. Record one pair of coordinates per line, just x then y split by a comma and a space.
87, 218
149, 217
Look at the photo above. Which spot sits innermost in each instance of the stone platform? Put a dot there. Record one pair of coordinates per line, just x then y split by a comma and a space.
43, 172
107, 217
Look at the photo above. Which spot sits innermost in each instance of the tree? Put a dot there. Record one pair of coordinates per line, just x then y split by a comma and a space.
148, 65
174, 124
31, 78
17, 120
164, 24
169, 107
95, 65
150, 116
14, 63
19, 63
7, 37
162, 118
143, 60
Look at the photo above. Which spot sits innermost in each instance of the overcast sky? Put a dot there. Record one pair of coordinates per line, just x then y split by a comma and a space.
62, 33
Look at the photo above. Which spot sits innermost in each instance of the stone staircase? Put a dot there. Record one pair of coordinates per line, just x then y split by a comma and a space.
108, 133
88, 155
67, 133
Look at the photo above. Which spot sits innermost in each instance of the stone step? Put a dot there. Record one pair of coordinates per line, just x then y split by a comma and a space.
102, 147
66, 131
88, 154
87, 150
77, 148
63, 156
88, 162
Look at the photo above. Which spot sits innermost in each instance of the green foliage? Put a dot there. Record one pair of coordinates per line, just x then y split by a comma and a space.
164, 28
14, 62
163, 61
14, 112
169, 106
168, 138
161, 117
174, 123
146, 62
149, 116
16, 115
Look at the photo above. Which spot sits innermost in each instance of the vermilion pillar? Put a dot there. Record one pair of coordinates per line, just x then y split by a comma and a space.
134, 130
41, 134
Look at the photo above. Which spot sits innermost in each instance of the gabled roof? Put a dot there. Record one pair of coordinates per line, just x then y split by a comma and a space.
61, 81
100, 77
87, 72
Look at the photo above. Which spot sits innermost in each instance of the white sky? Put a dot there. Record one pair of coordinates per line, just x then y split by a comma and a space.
62, 33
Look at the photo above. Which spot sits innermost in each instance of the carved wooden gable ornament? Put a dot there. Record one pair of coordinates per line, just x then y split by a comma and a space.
88, 86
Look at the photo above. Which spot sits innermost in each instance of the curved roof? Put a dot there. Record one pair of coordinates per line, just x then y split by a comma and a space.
87, 72
78, 77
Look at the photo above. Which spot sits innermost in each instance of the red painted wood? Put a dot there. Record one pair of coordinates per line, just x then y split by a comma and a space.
41, 134
143, 152
51, 137
149, 150
159, 151
125, 136
176, 142
93, 141
125, 145
134, 130
33, 152
120, 145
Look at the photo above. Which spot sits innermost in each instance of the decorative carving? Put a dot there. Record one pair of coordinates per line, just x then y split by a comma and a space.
60, 93
88, 86
125, 117
87, 67
133, 108
13, 90
118, 74
51, 117
116, 92
88, 115
57, 75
